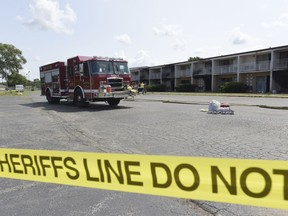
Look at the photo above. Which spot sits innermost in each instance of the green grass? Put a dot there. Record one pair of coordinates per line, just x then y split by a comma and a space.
12, 93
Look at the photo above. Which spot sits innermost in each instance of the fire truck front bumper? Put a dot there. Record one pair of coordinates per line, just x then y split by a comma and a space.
115, 94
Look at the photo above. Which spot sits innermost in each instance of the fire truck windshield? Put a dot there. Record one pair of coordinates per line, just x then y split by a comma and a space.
120, 67
108, 67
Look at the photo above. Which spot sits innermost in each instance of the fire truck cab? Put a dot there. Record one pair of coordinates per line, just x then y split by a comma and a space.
86, 79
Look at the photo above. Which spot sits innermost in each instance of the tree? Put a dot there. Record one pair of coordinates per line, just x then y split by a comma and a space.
16, 79
36, 83
11, 60
196, 58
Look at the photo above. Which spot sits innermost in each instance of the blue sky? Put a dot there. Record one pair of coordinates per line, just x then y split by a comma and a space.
145, 32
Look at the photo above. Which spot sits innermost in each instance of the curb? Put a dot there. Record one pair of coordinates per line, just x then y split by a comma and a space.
207, 103
235, 104
273, 107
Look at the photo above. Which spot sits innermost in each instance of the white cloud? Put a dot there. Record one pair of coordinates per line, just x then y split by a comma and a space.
47, 15
123, 38
167, 30
120, 54
37, 58
240, 38
171, 31
281, 21
142, 58
179, 45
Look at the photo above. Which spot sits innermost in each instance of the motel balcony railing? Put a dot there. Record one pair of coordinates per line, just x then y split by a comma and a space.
263, 65
225, 69
202, 71
154, 76
183, 73
254, 67
281, 64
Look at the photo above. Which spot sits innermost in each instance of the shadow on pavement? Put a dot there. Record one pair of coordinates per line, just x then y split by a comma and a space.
65, 106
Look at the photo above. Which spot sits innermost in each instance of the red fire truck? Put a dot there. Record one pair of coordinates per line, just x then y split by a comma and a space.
85, 79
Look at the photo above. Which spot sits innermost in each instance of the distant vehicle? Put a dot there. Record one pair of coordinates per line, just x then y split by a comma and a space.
2, 87
19, 88
84, 79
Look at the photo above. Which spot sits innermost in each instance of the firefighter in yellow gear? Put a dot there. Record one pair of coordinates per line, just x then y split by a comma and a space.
141, 88
131, 90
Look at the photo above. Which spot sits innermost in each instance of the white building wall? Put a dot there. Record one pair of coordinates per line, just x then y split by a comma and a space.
244, 67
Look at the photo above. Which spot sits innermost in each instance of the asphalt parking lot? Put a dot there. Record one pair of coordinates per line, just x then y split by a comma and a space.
150, 124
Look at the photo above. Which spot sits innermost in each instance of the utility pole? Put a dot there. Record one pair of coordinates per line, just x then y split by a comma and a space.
28, 75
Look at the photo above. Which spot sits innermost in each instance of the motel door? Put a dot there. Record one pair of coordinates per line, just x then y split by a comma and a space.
260, 84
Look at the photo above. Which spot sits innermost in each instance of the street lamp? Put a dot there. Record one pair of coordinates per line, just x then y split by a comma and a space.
28, 75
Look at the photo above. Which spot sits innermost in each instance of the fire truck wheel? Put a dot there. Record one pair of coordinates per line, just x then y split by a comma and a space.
80, 101
50, 99
113, 102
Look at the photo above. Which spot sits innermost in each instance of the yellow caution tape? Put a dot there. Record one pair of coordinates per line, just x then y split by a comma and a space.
240, 181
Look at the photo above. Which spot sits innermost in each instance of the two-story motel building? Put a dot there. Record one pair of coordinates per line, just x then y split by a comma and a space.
264, 70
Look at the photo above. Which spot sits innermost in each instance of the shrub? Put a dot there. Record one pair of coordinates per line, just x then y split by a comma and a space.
186, 88
233, 87
156, 88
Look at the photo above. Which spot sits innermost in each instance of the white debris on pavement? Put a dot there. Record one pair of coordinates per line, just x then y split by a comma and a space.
215, 107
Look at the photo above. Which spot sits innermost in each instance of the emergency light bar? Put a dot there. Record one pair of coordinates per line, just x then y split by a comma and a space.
108, 58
